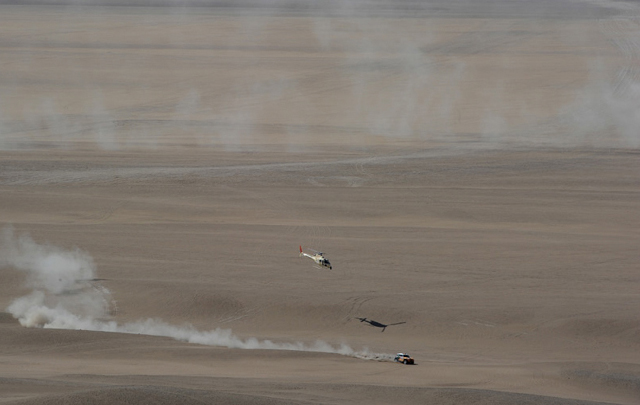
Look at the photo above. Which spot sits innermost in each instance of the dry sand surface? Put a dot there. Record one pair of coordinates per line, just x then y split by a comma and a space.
470, 168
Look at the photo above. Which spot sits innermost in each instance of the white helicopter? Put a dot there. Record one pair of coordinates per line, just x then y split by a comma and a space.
317, 257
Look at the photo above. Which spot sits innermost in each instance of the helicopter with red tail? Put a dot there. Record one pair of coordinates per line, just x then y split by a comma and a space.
317, 257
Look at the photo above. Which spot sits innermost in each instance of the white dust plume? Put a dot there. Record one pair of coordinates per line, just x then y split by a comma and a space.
62, 282
66, 295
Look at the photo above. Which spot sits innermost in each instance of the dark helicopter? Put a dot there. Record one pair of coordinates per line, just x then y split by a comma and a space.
378, 324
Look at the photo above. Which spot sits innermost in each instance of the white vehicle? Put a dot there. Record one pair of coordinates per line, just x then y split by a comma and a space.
316, 257
403, 358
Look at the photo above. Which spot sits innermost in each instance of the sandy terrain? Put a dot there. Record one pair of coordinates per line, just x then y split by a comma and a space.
470, 168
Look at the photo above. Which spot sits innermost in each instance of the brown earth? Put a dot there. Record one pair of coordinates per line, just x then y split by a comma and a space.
470, 171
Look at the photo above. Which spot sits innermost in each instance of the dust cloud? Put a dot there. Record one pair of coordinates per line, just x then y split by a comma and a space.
332, 72
66, 295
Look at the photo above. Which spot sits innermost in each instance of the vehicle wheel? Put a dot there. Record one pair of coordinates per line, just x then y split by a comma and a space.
405, 362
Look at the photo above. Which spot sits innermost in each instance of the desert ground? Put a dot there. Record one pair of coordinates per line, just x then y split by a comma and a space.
470, 168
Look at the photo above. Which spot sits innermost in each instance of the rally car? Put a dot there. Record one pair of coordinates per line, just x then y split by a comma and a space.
403, 358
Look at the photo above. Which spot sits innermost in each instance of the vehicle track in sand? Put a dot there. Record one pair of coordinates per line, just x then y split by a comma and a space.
625, 34
43, 176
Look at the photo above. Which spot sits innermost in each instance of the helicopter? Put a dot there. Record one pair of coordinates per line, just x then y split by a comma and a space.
378, 324
317, 257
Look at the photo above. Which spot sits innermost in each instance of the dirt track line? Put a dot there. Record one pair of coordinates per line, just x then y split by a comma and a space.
19, 177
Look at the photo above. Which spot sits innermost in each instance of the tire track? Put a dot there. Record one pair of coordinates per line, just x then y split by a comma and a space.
625, 34
355, 303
